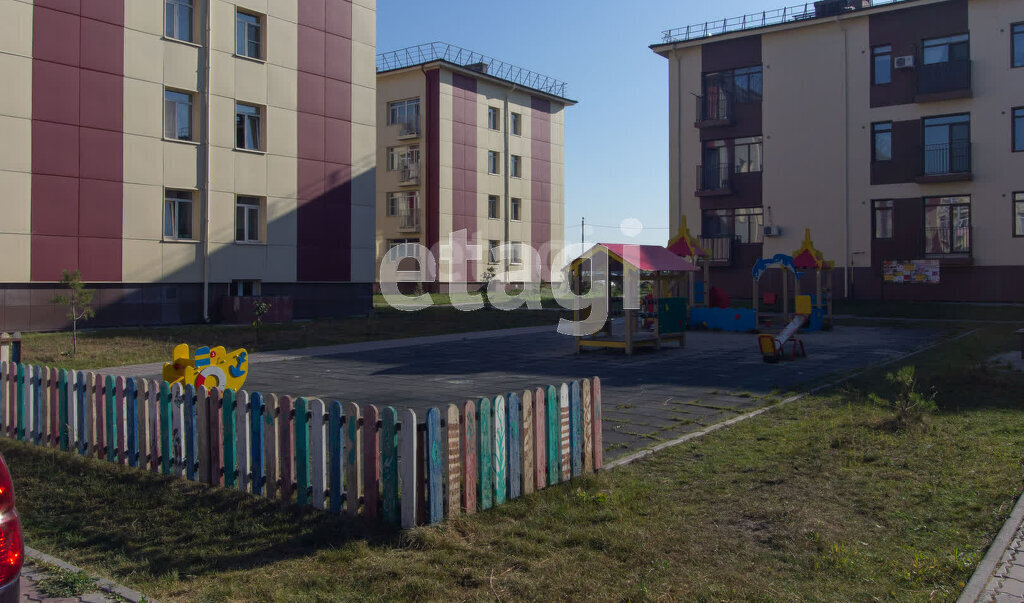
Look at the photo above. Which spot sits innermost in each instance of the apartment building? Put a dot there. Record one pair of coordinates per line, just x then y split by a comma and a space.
183, 154
893, 129
469, 144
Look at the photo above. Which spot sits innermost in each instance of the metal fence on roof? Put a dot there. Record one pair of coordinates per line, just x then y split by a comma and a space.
776, 16
441, 51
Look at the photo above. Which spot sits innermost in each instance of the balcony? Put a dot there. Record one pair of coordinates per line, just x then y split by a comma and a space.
409, 175
409, 219
943, 81
714, 180
720, 248
951, 243
947, 162
713, 110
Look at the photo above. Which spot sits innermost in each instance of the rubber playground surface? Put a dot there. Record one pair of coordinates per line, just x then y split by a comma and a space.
649, 397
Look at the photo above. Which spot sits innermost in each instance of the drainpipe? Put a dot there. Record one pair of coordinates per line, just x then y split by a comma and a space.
508, 175
679, 139
205, 193
846, 163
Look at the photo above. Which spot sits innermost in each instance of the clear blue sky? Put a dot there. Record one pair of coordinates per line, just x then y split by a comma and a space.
616, 154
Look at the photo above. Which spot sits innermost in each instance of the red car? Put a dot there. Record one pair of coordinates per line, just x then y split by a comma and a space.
12, 545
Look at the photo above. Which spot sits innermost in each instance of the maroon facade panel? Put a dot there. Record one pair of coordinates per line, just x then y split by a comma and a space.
730, 54
906, 163
464, 149
904, 30
540, 182
324, 207
433, 134
77, 139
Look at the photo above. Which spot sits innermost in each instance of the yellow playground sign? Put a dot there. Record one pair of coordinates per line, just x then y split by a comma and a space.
210, 367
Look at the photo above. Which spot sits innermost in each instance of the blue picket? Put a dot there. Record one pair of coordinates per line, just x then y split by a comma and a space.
302, 451
131, 403
515, 462
191, 435
21, 402
62, 408
256, 410
435, 509
334, 464
575, 429
166, 443
80, 412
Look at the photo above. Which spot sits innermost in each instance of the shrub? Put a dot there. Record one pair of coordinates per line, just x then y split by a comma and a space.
909, 404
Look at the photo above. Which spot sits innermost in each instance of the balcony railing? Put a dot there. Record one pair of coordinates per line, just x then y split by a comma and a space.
714, 108
408, 128
409, 174
409, 219
946, 159
947, 241
947, 76
720, 248
714, 178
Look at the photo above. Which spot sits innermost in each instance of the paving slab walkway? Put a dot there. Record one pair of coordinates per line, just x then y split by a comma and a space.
649, 397
999, 577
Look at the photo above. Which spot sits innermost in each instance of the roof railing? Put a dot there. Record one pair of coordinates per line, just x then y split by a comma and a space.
778, 16
441, 51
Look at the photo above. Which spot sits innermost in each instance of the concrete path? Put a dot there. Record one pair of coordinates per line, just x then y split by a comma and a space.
650, 397
103, 590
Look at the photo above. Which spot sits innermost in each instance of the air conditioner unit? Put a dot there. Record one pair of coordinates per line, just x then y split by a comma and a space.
772, 231
905, 62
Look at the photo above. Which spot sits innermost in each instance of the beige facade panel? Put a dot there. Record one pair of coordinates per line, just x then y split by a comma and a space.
13, 156
282, 84
282, 133
144, 17
282, 226
143, 52
15, 206
364, 105
16, 100
250, 81
181, 66
182, 262
282, 177
16, 28
283, 46
142, 215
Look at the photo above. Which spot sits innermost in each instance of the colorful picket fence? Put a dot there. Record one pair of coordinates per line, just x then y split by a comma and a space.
340, 457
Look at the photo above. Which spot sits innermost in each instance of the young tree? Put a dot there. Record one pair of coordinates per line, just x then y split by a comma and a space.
259, 309
79, 303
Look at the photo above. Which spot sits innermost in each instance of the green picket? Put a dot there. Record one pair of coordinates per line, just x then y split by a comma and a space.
302, 451
228, 440
485, 496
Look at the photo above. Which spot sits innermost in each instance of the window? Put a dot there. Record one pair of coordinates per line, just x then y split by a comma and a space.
747, 154
945, 50
178, 19
493, 252
402, 158
247, 219
493, 118
403, 248
406, 114
514, 166
742, 85
515, 120
1018, 129
715, 172
1017, 45
405, 205
882, 219
1018, 214
947, 225
248, 133
515, 253
248, 35
881, 141
493, 209
516, 209
178, 214
493, 162
881, 64
745, 224
245, 288
947, 144
177, 115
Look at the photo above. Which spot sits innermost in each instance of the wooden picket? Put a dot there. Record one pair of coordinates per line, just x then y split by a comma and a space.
470, 454
485, 461
334, 456
453, 467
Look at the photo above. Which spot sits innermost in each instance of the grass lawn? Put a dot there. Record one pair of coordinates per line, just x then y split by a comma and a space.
817, 500
111, 347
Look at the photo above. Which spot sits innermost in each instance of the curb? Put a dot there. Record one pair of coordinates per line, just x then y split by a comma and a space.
102, 583
990, 562
691, 436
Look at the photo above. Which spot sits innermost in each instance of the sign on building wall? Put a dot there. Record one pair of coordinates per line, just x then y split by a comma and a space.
911, 271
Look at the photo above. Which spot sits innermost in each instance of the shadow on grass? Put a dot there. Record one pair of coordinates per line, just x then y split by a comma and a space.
134, 523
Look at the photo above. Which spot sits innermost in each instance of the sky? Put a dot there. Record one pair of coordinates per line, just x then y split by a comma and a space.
616, 138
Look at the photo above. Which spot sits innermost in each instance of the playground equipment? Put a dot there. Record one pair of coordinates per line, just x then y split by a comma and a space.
702, 311
804, 259
773, 346
210, 367
665, 314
